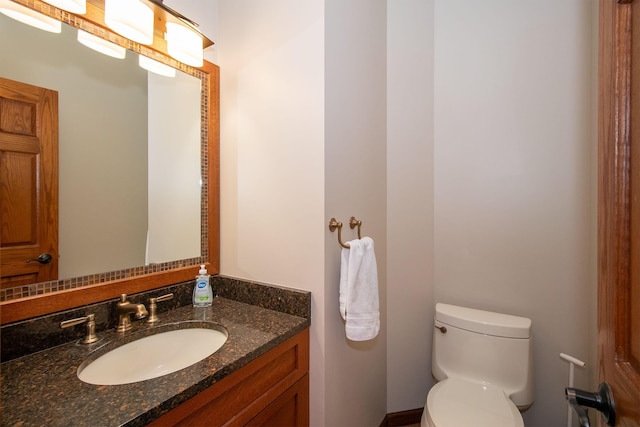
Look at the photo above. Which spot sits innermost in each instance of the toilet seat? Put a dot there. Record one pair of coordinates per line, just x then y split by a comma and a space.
457, 402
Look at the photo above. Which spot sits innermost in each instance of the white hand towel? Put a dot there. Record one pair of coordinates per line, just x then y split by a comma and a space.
359, 303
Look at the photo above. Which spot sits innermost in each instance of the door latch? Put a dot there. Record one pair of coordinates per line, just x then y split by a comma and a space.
42, 259
601, 400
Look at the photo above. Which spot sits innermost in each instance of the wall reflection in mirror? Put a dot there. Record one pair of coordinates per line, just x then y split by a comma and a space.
130, 175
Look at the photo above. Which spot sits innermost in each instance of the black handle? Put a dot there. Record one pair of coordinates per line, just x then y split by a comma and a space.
42, 259
601, 400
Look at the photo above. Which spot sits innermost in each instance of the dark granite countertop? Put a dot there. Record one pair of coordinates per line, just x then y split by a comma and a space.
43, 388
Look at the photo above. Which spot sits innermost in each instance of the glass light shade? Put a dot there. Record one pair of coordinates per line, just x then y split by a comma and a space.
101, 45
74, 6
29, 17
156, 67
131, 19
184, 44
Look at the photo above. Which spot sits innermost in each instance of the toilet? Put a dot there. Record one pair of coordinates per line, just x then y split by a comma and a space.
483, 365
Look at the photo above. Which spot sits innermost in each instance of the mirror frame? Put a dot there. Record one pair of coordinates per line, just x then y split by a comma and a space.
93, 22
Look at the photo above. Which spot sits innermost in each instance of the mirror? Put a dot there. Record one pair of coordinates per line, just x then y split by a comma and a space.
152, 258
129, 176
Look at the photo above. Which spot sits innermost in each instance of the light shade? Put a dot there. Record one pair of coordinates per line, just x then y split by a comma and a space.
131, 19
101, 45
184, 44
29, 17
74, 6
156, 67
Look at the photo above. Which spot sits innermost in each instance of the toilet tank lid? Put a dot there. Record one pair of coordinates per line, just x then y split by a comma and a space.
483, 322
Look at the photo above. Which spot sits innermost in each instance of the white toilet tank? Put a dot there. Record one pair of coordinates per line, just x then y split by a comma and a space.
484, 347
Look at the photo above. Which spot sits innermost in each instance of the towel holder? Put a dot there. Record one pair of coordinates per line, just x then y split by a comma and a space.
353, 223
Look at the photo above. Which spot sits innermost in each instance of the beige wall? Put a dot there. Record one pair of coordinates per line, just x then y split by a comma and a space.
511, 131
355, 185
272, 154
296, 151
487, 165
409, 201
512, 174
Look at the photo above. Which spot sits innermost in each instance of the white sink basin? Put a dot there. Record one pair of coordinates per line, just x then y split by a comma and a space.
152, 356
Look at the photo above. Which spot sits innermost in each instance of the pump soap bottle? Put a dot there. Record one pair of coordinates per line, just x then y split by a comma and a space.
202, 292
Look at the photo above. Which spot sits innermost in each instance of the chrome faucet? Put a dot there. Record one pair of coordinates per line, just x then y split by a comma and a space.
126, 309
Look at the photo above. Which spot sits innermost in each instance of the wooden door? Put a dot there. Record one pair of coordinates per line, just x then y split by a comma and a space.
619, 206
28, 183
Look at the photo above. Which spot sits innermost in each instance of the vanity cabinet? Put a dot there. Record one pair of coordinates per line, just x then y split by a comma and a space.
272, 390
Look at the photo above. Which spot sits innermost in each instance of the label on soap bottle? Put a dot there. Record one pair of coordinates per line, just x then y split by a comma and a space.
202, 292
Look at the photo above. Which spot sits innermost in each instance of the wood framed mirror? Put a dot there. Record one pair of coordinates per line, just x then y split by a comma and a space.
105, 285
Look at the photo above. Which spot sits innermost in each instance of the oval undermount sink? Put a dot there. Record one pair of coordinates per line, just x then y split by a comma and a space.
152, 356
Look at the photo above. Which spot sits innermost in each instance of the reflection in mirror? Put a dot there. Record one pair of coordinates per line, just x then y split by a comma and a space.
130, 163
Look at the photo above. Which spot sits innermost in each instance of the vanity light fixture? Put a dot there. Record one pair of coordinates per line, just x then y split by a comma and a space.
78, 7
156, 67
101, 45
184, 44
132, 19
29, 16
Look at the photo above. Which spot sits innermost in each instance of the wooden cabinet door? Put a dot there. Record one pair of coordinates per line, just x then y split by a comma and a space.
28, 183
272, 390
619, 206
290, 409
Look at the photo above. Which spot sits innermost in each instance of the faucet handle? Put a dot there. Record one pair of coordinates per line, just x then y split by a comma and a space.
153, 306
166, 297
90, 334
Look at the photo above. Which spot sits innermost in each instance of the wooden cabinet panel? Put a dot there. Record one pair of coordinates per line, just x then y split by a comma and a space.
273, 378
290, 409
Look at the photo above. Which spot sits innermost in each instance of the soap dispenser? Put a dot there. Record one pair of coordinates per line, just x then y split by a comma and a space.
202, 292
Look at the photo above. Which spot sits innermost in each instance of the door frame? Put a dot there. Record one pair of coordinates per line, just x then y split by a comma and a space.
616, 364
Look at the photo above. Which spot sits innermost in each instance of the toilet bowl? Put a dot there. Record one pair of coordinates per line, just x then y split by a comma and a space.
457, 403
482, 362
